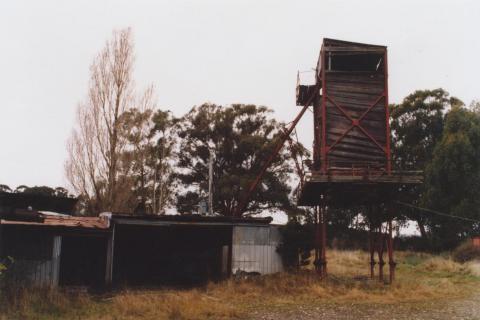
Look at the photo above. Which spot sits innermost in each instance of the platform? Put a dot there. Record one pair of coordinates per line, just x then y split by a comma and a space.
340, 188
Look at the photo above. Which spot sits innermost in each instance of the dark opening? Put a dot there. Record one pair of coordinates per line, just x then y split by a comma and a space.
304, 93
26, 244
169, 255
83, 261
355, 62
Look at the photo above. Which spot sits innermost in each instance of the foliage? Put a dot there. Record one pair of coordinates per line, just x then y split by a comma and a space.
39, 190
240, 137
297, 244
417, 125
5, 188
44, 190
163, 155
466, 252
150, 137
5, 266
453, 177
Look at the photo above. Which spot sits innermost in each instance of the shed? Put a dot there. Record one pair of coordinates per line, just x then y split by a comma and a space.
171, 249
42, 250
254, 249
126, 249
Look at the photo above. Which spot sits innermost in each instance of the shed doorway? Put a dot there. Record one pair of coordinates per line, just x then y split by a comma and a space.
173, 255
83, 261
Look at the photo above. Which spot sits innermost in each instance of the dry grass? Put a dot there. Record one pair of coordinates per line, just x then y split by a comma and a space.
420, 277
474, 268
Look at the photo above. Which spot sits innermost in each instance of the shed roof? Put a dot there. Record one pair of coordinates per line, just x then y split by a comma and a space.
41, 219
189, 219
48, 219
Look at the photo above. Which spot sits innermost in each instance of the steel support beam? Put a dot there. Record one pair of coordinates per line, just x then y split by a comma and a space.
109, 260
242, 206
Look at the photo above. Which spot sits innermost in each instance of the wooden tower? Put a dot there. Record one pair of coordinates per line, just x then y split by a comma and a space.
352, 161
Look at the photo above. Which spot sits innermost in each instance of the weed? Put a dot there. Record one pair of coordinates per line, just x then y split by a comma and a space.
420, 277
466, 252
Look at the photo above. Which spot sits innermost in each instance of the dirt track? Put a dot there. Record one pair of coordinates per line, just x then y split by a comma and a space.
465, 309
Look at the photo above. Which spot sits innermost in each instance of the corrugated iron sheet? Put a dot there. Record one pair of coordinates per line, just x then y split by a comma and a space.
254, 249
64, 221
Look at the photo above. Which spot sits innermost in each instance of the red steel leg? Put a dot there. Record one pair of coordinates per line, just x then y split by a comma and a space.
324, 241
381, 246
391, 262
317, 241
371, 235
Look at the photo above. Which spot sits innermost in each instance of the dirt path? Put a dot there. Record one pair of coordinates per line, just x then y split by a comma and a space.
465, 309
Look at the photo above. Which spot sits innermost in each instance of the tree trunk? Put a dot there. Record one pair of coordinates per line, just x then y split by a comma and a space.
421, 227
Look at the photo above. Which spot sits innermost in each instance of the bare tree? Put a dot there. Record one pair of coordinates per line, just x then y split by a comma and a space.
96, 165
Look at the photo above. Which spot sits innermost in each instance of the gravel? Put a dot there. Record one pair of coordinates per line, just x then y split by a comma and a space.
464, 309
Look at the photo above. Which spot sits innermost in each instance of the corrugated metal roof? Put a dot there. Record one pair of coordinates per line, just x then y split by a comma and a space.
185, 219
103, 221
64, 221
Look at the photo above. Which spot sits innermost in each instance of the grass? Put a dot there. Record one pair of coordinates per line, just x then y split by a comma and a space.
420, 277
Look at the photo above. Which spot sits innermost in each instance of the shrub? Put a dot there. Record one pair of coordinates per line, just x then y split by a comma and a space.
297, 243
5, 265
466, 252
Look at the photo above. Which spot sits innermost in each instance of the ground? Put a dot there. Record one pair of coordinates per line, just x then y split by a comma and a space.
426, 287
456, 309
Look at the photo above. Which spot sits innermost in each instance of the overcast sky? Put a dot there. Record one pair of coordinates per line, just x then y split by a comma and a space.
217, 51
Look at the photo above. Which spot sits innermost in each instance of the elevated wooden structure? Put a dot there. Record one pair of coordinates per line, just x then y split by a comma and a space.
352, 160
362, 187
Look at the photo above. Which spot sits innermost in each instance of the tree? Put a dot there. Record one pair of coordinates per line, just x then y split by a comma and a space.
297, 243
163, 154
417, 125
240, 137
453, 177
151, 143
5, 188
137, 126
98, 167
475, 106
39, 190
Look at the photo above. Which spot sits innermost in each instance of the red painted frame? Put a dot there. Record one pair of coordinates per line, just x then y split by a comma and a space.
325, 149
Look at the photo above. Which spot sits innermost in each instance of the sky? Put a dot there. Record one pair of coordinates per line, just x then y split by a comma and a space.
209, 51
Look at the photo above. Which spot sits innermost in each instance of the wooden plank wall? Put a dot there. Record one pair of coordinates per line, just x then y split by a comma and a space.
354, 92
